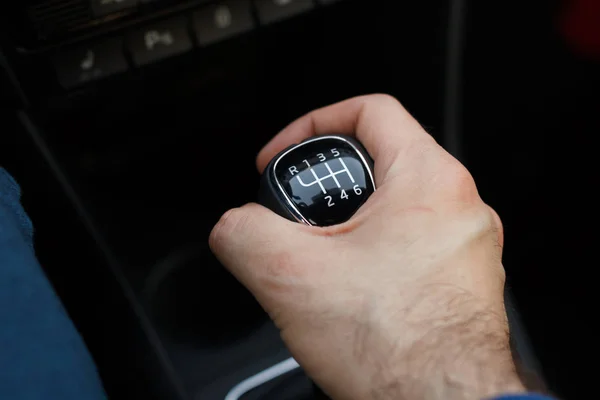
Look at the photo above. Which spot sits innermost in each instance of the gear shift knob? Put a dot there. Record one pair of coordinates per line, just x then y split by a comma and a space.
321, 181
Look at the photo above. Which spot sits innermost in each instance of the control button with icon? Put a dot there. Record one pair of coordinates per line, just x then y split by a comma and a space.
93, 61
159, 41
88, 61
223, 20
223, 17
156, 38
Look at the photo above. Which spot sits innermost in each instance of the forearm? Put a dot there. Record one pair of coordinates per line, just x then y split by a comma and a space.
464, 353
468, 365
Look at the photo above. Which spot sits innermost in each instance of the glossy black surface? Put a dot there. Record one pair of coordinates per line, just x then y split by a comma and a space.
326, 180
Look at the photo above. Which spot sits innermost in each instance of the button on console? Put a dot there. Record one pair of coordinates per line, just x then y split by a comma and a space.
104, 7
90, 62
275, 10
160, 40
223, 20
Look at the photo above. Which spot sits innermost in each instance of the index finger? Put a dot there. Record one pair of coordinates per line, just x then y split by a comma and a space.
378, 121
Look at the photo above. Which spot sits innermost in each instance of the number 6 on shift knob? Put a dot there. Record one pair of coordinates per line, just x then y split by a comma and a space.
321, 181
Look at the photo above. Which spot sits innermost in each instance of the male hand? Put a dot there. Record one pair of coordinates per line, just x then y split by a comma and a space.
403, 301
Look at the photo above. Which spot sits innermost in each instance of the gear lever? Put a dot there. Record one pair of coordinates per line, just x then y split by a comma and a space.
321, 181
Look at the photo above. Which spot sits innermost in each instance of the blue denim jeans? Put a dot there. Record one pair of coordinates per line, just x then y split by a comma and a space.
42, 355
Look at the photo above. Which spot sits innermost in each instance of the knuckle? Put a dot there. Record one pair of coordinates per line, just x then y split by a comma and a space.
225, 227
475, 222
384, 99
484, 218
496, 218
497, 227
459, 183
501, 274
459, 176
486, 227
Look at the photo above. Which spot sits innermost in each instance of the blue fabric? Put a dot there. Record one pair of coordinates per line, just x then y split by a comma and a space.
526, 396
42, 355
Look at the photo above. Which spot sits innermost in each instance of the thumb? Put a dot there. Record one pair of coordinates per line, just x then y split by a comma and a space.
259, 247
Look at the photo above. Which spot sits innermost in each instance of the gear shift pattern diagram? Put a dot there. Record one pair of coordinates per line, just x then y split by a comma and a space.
321, 181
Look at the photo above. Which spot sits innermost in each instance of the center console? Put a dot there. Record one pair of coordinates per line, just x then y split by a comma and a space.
139, 109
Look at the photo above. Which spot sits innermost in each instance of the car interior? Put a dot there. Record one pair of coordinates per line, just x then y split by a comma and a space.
133, 125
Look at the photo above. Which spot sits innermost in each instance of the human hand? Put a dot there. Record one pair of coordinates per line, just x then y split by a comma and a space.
404, 300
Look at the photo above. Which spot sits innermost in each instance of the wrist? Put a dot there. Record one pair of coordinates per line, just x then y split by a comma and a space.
462, 356
464, 372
